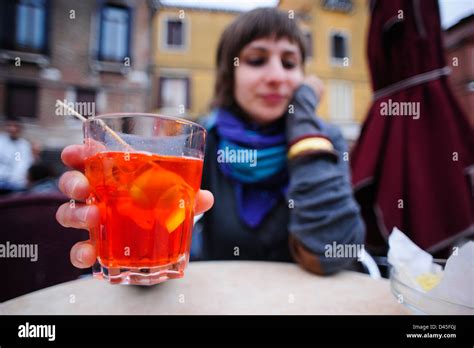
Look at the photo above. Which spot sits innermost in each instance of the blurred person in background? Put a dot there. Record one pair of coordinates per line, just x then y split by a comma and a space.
37, 150
295, 197
42, 178
16, 157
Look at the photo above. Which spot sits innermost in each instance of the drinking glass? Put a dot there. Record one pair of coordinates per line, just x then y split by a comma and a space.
144, 171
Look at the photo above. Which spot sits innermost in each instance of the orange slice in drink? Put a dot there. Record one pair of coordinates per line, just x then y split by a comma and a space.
164, 192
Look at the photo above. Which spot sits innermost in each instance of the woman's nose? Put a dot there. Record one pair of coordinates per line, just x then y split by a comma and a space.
275, 73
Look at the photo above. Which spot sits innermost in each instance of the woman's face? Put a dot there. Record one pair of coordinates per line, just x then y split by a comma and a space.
268, 73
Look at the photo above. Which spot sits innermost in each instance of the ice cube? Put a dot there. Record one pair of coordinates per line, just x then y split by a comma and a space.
172, 206
152, 185
164, 192
174, 219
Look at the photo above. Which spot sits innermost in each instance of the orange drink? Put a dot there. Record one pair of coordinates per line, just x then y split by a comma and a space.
146, 205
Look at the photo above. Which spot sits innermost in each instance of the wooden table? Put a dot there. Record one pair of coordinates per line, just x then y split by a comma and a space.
219, 287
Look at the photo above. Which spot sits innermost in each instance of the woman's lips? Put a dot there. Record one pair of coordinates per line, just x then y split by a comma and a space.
273, 98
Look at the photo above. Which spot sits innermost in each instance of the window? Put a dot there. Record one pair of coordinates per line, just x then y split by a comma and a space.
115, 33
339, 47
309, 44
24, 25
174, 34
338, 5
30, 24
174, 93
341, 101
86, 99
21, 100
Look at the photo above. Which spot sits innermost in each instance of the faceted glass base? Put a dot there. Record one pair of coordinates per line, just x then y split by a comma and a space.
140, 276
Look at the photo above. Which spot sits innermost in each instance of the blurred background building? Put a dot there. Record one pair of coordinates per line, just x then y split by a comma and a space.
185, 44
94, 52
184, 49
337, 33
159, 56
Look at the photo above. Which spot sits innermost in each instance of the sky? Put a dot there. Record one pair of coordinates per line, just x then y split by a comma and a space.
451, 10
239, 5
454, 10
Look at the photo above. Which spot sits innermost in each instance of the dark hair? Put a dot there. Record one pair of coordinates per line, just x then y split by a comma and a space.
249, 26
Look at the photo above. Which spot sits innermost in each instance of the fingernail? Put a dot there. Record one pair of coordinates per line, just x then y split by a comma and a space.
79, 255
83, 212
71, 185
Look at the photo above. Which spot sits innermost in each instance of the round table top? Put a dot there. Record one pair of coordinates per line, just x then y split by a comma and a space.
219, 287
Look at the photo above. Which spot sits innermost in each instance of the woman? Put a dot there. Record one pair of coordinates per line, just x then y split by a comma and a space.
291, 200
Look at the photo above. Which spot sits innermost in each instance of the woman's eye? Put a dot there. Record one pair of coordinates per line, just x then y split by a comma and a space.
288, 64
256, 61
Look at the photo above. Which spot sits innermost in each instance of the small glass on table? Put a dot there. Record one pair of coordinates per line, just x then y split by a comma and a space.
145, 171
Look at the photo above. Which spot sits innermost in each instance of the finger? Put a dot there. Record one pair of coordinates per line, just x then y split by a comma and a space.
74, 184
75, 155
204, 201
83, 254
78, 215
